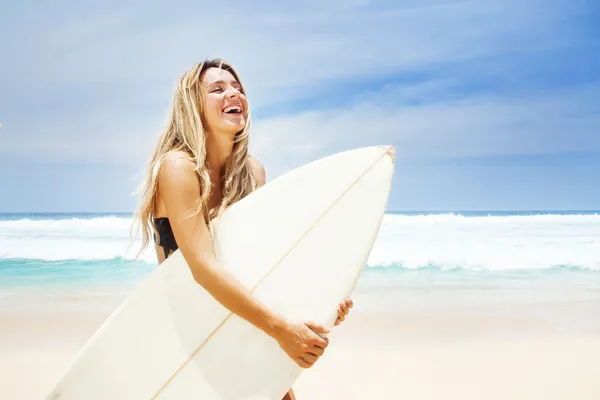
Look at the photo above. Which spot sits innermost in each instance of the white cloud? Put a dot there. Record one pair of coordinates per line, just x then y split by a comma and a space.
440, 128
467, 127
284, 52
281, 50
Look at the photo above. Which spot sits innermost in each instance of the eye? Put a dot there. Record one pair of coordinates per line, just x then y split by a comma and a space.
217, 89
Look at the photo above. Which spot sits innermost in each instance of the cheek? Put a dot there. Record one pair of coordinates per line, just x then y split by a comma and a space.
212, 109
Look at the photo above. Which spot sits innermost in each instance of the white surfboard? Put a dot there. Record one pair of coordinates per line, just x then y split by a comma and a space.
299, 244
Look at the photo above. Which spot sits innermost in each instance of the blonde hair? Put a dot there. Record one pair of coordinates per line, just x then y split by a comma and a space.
185, 132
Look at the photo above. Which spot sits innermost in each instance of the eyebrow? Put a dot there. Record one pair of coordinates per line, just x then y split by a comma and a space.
219, 82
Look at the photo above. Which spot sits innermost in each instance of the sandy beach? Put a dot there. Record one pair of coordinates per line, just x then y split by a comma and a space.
371, 356
449, 307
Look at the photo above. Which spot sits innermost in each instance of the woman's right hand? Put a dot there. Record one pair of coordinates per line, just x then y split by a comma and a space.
179, 179
301, 341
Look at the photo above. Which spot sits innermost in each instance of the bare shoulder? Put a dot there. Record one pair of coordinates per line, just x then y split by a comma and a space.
177, 171
258, 170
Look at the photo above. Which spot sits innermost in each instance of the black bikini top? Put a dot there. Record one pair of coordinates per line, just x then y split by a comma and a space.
166, 239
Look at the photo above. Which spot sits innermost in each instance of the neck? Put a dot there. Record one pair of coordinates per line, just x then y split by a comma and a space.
218, 148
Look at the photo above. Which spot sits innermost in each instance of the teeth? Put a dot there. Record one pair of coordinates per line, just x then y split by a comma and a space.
233, 108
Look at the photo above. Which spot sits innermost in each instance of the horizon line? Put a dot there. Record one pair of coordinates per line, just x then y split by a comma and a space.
387, 211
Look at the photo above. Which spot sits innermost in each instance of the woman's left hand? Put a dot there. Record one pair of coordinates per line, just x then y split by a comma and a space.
343, 310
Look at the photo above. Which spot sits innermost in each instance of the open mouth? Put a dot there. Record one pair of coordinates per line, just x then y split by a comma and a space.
233, 110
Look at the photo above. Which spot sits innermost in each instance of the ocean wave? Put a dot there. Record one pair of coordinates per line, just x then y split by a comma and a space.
447, 241
32, 274
398, 268
67, 227
25, 267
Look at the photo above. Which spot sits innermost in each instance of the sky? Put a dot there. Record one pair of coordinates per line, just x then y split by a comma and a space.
490, 105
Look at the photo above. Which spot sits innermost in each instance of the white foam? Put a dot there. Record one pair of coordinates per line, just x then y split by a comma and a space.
490, 242
112, 227
101, 238
447, 241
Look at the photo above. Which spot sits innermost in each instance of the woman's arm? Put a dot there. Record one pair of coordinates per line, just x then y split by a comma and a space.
178, 185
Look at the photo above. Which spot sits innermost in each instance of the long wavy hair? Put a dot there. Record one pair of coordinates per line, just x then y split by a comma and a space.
185, 132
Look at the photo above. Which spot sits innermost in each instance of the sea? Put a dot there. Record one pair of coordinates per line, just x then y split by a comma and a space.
503, 262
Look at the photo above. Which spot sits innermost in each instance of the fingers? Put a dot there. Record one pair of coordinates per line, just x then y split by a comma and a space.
318, 341
341, 311
303, 343
317, 327
317, 351
344, 308
310, 358
316, 345
307, 360
302, 362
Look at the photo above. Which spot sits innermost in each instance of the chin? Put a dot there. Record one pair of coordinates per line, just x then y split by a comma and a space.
231, 131
234, 127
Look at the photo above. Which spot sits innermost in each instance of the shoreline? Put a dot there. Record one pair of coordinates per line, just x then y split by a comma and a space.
434, 355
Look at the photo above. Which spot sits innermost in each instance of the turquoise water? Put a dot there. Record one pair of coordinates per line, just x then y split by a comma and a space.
71, 253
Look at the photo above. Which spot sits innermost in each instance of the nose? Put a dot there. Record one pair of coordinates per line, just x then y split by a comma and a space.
232, 91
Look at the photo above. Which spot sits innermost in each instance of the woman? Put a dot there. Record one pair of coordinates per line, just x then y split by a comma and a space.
200, 167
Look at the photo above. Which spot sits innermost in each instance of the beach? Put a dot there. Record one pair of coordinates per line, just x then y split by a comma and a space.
371, 356
448, 307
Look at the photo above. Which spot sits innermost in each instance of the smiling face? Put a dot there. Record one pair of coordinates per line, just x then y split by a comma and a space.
225, 104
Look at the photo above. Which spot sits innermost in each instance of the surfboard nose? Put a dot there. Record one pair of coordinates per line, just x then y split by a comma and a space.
389, 150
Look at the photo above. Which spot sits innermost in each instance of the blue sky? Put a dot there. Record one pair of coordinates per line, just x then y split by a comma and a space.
491, 105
